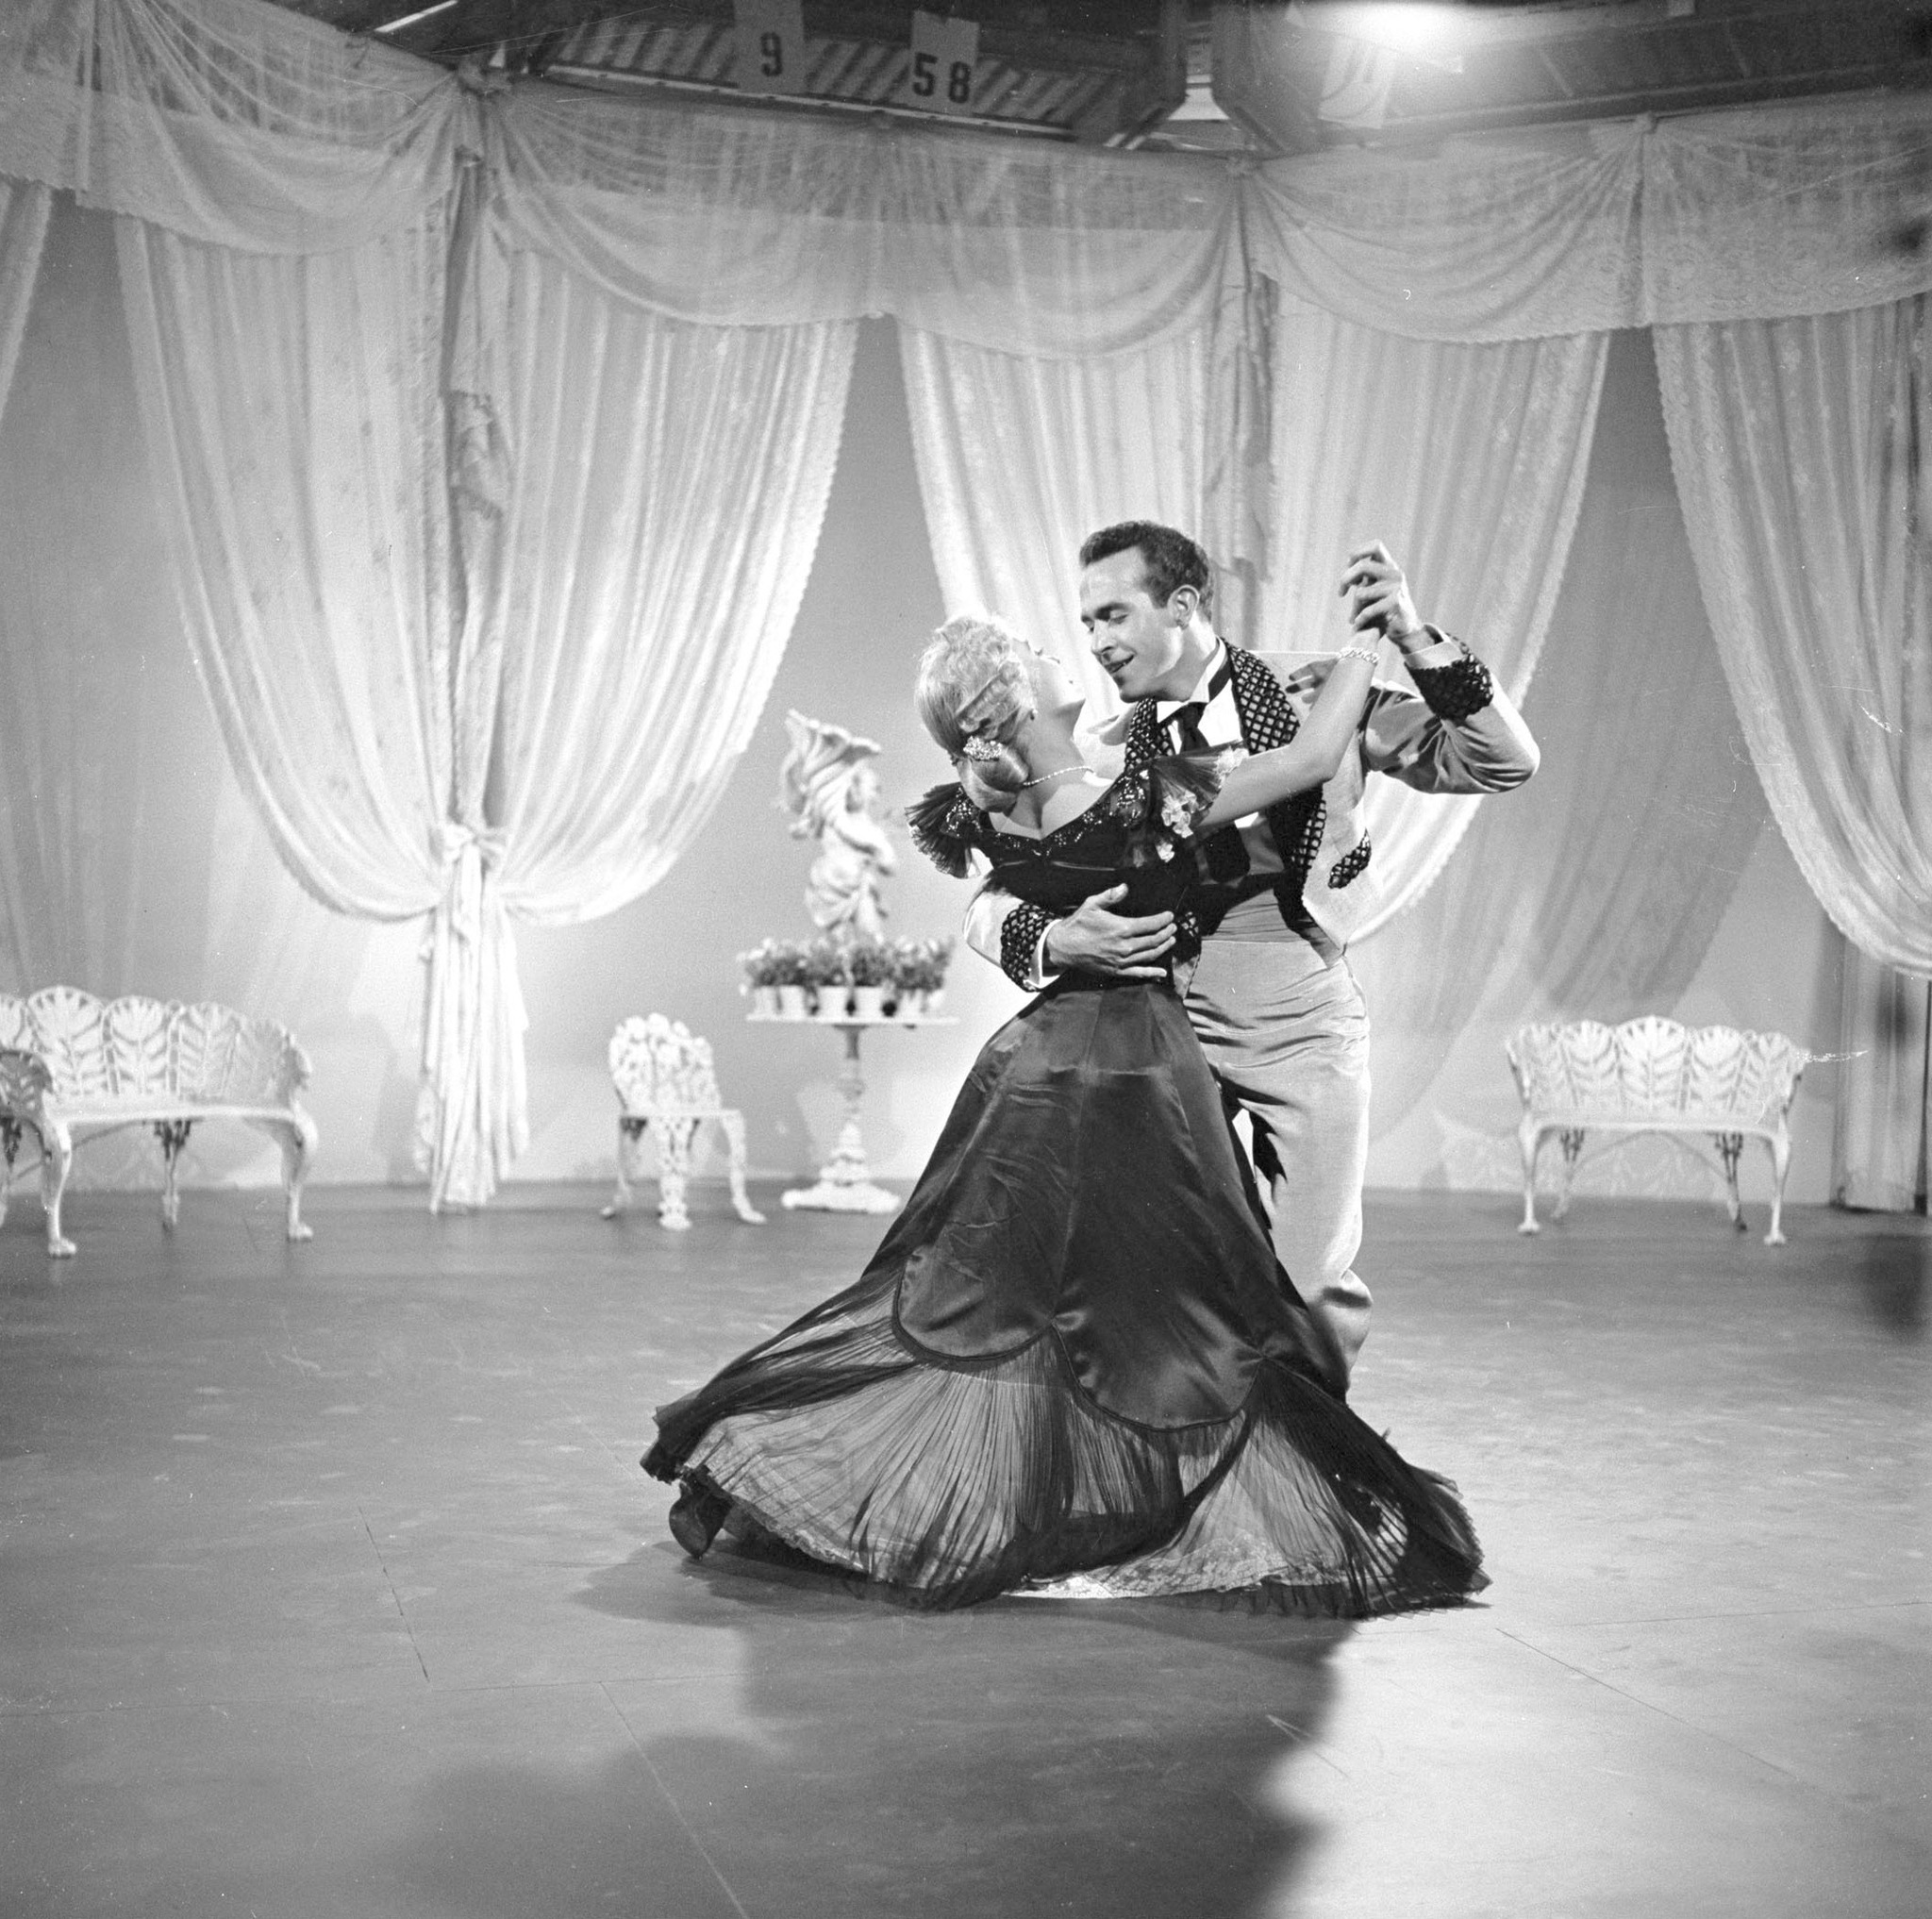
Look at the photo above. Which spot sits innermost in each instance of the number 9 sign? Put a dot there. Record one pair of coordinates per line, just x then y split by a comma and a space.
940, 74
770, 47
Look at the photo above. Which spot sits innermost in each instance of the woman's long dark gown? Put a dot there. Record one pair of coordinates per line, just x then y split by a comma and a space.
1075, 1356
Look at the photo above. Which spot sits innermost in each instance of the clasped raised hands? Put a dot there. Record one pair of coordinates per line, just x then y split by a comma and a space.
1382, 607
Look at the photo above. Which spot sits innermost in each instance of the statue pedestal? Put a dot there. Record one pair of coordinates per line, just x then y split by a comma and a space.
844, 1183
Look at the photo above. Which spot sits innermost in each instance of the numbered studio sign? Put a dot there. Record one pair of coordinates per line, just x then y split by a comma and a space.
944, 55
770, 54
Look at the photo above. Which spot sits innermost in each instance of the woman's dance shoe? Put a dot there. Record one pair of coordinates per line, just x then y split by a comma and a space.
696, 1517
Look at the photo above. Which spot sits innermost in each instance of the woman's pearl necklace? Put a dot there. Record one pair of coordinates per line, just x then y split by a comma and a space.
1078, 766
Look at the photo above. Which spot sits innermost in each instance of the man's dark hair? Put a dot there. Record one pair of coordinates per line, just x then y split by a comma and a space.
1172, 559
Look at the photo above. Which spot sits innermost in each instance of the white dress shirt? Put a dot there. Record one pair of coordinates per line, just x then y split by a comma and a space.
1220, 725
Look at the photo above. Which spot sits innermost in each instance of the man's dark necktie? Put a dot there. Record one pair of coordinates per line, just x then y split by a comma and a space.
1186, 719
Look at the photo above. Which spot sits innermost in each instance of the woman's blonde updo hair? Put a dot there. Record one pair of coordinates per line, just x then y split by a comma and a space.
973, 689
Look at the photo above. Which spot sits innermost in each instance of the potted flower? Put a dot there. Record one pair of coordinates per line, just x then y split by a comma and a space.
906, 994
869, 964
825, 973
761, 973
788, 970
939, 956
920, 969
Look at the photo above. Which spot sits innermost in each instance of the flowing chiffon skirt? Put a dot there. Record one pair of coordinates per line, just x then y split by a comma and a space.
1075, 1359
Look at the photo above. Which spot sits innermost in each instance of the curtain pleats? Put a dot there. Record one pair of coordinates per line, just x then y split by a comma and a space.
292, 415
669, 485
1800, 448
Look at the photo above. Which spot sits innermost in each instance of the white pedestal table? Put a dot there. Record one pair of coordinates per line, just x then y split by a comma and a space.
844, 1183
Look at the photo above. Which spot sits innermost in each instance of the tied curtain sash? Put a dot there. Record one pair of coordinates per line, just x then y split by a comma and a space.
473, 1102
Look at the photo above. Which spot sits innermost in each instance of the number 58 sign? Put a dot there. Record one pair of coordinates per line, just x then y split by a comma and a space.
940, 77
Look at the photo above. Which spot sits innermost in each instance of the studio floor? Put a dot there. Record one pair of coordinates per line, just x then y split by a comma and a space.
330, 1587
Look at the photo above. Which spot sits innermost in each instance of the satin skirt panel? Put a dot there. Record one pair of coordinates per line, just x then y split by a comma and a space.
1087, 1184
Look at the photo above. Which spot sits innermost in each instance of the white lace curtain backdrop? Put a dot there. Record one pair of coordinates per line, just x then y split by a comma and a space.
266, 166
1800, 452
1468, 460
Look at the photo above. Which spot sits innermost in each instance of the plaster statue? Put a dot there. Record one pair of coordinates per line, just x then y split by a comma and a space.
830, 791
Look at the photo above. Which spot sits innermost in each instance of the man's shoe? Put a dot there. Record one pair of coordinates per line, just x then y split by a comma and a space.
696, 1517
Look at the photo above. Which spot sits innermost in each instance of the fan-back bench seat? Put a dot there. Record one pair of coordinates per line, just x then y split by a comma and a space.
74, 1067
1651, 1074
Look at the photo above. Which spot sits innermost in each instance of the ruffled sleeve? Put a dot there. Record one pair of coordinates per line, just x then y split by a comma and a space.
947, 828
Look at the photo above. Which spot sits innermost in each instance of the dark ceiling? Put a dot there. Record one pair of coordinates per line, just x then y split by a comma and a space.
1210, 73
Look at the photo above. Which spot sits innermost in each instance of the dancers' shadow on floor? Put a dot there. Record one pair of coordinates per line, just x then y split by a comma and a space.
1085, 1757
782, 1747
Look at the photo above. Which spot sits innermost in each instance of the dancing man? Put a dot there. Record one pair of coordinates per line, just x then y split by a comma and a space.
1272, 998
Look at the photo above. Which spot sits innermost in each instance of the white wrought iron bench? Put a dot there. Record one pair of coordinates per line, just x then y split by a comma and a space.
75, 1068
665, 1081
1654, 1076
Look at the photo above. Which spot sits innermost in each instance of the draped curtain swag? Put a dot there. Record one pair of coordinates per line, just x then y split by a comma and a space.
445, 628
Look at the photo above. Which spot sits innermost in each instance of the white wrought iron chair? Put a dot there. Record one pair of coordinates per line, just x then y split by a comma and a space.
665, 1082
